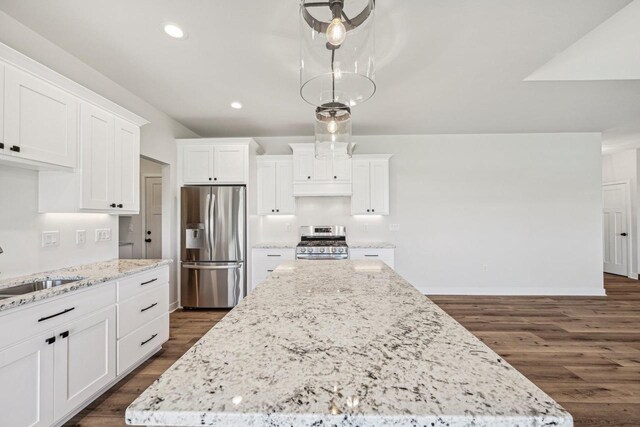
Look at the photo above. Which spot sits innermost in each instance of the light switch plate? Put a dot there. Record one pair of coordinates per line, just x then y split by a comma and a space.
50, 239
81, 237
394, 227
103, 234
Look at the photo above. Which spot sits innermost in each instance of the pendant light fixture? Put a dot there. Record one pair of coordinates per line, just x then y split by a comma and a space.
336, 67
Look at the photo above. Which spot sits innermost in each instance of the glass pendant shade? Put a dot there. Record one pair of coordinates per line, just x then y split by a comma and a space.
333, 132
337, 66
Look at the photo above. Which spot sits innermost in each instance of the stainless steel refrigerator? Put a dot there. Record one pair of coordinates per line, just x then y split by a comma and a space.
213, 254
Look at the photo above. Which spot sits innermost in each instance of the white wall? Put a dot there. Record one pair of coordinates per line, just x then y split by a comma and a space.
21, 227
478, 214
623, 166
157, 138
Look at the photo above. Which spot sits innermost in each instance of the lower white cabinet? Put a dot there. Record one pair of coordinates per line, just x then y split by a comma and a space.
387, 255
85, 359
26, 383
57, 354
264, 261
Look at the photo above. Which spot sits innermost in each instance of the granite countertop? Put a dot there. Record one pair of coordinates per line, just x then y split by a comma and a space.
371, 245
87, 275
275, 245
342, 343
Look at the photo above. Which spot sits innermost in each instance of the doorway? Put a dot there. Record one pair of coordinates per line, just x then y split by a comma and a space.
616, 230
152, 222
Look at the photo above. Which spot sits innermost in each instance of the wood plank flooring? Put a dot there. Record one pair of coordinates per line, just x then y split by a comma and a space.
583, 351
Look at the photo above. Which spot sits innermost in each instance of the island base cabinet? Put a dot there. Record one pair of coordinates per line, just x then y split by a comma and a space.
26, 383
85, 357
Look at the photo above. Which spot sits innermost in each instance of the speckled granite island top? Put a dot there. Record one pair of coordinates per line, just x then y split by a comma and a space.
341, 343
87, 275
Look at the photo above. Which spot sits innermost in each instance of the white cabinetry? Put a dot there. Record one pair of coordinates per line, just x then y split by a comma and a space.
40, 120
3, 148
370, 185
108, 179
26, 383
264, 261
387, 255
319, 177
57, 354
275, 185
210, 161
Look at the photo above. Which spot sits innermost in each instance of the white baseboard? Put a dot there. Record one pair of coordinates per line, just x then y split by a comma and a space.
515, 291
174, 306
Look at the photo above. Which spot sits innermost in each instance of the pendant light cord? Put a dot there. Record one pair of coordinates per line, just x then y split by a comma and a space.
333, 76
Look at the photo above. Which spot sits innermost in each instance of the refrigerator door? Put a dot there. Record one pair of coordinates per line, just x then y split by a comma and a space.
212, 284
228, 223
196, 224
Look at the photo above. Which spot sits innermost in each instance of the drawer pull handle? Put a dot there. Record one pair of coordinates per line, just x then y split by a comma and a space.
148, 281
50, 340
270, 271
65, 334
273, 255
57, 314
150, 307
372, 255
152, 337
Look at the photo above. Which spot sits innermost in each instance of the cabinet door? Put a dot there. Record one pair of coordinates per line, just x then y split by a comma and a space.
361, 197
285, 202
26, 383
266, 188
197, 164
127, 165
379, 183
341, 170
323, 169
4, 149
303, 165
230, 164
98, 162
40, 119
85, 355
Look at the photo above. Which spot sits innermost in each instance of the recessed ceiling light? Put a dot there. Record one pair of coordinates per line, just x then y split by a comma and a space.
236, 105
174, 31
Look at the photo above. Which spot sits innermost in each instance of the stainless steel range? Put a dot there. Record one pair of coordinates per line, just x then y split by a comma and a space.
322, 242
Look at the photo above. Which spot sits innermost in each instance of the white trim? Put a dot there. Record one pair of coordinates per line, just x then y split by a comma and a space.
174, 306
630, 248
525, 291
16, 59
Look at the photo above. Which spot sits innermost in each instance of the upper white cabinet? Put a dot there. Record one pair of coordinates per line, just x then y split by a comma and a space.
108, 179
275, 185
214, 161
40, 120
370, 185
319, 177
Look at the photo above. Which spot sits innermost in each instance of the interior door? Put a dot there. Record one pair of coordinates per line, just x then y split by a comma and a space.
266, 188
286, 203
230, 164
127, 165
614, 228
197, 167
85, 355
153, 217
26, 383
40, 119
98, 162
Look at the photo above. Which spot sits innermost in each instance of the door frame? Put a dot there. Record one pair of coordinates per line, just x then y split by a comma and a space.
630, 247
143, 209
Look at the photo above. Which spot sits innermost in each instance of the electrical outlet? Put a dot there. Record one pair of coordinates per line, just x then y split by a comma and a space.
485, 267
81, 237
50, 238
394, 227
103, 234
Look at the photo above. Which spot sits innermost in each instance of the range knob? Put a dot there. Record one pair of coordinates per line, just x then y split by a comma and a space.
340, 250
321, 250
303, 250
310, 250
334, 249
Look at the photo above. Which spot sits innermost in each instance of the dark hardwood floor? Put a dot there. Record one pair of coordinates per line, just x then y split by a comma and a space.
583, 351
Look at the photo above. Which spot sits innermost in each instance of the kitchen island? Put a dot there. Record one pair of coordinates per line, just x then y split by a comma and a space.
344, 343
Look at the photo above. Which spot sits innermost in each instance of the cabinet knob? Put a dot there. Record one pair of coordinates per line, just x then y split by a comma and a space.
210, 179
1, 145
368, 210
277, 210
308, 177
113, 205
215, 179
15, 148
373, 210
120, 205
273, 210
335, 177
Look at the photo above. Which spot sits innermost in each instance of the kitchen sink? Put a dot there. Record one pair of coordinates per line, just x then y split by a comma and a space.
34, 286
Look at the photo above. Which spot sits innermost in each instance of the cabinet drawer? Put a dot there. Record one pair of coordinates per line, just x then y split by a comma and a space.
274, 255
135, 312
23, 323
141, 342
381, 254
139, 283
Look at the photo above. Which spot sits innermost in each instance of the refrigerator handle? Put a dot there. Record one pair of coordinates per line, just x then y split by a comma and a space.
212, 210
207, 227
211, 267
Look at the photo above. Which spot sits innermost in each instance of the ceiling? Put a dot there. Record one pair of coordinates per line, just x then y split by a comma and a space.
444, 66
